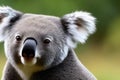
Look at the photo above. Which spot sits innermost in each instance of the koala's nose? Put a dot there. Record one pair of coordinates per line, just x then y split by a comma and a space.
29, 48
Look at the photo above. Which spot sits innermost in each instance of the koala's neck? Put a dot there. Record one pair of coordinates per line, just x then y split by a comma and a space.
65, 71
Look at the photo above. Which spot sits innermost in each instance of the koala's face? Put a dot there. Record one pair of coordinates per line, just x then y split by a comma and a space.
35, 40
40, 40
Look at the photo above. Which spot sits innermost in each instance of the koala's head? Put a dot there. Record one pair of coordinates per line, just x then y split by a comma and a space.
41, 40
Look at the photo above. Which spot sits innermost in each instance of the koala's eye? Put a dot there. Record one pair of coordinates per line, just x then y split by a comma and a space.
18, 38
47, 41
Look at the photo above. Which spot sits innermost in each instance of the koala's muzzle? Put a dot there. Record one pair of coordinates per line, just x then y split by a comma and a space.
29, 48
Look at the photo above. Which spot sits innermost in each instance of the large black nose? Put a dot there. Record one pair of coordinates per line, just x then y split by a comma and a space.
29, 48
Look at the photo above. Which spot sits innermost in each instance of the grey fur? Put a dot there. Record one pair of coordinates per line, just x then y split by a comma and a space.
54, 59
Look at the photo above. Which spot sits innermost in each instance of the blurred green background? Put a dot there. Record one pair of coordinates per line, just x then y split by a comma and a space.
101, 53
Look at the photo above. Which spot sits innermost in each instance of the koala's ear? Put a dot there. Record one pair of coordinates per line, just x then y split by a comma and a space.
78, 26
8, 17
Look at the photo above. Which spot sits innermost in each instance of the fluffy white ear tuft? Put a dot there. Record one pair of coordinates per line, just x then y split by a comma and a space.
78, 26
7, 17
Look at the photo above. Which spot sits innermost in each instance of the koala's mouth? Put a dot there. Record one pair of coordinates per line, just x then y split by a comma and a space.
28, 51
30, 61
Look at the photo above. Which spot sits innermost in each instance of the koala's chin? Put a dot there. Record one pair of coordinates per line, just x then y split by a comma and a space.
28, 62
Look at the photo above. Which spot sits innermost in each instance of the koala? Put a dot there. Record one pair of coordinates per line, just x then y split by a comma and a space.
41, 47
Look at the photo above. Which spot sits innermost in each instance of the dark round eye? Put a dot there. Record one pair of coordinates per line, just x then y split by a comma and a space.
18, 38
47, 41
